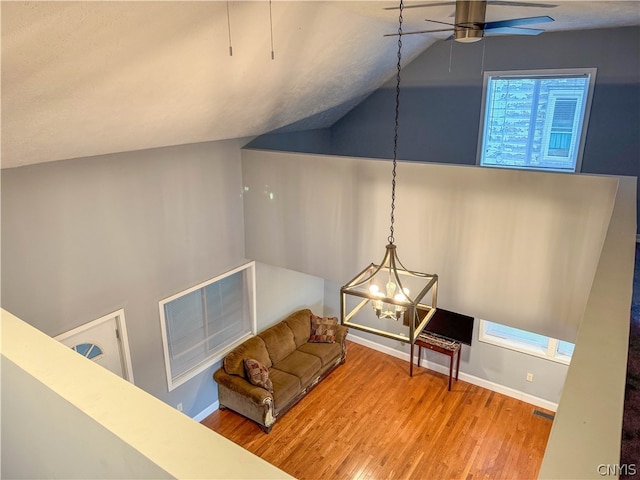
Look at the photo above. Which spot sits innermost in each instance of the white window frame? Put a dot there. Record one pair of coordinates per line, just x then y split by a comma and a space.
550, 353
215, 356
553, 73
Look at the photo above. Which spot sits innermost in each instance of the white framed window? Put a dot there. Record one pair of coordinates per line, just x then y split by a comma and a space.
201, 324
526, 342
535, 120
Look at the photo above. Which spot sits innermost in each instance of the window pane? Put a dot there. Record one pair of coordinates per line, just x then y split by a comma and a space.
185, 331
525, 342
227, 317
565, 348
515, 334
509, 110
535, 121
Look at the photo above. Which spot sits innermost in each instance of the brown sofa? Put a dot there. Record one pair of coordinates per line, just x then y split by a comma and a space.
294, 364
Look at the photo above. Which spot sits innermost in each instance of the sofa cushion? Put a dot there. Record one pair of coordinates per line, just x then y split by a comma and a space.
323, 330
304, 366
279, 341
252, 348
299, 323
326, 352
285, 387
258, 374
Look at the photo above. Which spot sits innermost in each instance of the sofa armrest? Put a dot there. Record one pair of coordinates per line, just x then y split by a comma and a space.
341, 334
253, 393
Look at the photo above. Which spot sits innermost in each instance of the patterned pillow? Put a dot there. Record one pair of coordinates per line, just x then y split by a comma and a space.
258, 374
323, 330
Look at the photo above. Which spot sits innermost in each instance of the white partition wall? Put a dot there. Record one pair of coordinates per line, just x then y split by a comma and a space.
518, 247
64, 416
586, 435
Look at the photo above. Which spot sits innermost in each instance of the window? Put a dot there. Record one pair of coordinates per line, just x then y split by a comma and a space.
526, 342
201, 324
89, 350
535, 120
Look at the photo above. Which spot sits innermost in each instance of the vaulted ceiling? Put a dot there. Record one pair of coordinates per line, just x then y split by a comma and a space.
89, 78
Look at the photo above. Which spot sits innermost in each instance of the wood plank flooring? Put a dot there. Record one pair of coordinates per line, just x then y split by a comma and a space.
369, 420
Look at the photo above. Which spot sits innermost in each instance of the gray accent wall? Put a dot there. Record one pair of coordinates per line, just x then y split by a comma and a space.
308, 141
441, 108
82, 238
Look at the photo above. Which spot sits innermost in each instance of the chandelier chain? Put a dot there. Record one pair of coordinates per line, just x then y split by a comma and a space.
397, 117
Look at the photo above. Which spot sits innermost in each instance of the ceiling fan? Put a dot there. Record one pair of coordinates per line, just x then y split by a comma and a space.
470, 26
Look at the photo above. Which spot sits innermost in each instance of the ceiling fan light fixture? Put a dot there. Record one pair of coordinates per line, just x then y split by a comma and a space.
469, 24
468, 35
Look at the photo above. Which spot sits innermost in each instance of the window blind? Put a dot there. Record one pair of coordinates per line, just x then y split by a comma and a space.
204, 321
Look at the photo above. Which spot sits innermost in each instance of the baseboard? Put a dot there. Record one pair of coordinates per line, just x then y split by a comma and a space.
481, 382
207, 411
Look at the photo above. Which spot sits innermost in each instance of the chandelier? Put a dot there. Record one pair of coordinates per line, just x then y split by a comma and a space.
394, 292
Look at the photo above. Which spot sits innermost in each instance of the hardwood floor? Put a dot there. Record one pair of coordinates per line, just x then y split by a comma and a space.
369, 419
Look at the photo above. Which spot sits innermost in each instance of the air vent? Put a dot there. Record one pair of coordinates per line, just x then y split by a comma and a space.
548, 416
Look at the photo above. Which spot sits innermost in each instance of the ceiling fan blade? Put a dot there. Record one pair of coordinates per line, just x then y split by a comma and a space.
419, 31
438, 21
520, 4
513, 31
517, 22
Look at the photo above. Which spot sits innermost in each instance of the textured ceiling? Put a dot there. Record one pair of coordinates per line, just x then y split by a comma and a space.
88, 78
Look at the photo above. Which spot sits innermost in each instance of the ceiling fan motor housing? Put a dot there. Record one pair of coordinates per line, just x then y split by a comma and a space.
469, 24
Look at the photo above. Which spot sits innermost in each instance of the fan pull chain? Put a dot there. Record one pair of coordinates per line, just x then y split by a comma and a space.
484, 45
271, 27
229, 29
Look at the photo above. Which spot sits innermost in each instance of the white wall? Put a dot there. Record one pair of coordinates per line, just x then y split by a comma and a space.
281, 292
45, 436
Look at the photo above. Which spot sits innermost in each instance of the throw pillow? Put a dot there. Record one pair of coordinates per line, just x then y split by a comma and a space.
258, 374
323, 330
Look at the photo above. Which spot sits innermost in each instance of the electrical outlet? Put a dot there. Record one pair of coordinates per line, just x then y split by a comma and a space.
529, 377
179, 407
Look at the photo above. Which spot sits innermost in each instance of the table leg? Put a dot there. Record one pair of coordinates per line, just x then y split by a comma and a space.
411, 361
450, 370
419, 354
458, 363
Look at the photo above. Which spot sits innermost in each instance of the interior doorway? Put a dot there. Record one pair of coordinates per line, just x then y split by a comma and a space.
103, 341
